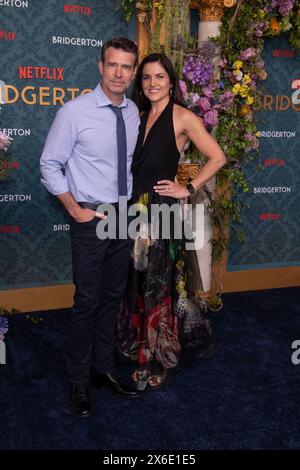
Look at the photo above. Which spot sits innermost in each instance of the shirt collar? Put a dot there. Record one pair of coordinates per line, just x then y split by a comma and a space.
103, 100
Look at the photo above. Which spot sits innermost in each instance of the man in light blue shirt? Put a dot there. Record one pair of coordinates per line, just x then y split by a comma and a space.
86, 160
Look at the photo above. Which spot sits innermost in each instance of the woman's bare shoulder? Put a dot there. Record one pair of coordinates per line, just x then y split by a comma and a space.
183, 114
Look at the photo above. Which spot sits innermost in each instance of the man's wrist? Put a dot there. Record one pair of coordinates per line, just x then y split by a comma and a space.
75, 210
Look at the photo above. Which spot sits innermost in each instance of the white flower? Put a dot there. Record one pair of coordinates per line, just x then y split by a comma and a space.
4, 141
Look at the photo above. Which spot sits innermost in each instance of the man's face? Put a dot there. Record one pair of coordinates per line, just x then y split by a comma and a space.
117, 71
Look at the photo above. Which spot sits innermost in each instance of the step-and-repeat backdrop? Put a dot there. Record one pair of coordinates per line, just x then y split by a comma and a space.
271, 224
49, 51
48, 54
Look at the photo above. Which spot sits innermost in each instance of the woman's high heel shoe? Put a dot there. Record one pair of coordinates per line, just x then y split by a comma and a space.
157, 381
140, 379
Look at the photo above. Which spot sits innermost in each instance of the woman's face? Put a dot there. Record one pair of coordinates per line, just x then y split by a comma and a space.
156, 83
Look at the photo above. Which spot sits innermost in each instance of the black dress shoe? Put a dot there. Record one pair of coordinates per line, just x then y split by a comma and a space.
80, 403
112, 381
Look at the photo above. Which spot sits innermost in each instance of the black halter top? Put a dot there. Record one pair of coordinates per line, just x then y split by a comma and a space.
156, 158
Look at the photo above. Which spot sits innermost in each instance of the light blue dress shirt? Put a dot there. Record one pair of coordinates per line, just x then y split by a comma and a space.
82, 140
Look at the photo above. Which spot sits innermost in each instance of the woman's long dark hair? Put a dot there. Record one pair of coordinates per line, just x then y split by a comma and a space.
142, 102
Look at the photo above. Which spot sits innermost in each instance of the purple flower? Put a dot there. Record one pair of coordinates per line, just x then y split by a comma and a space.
226, 100
183, 89
285, 6
252, 140
222, 62
197, 71
247, 53
195, 98
259, 28
207, 91
204, 104
211, 118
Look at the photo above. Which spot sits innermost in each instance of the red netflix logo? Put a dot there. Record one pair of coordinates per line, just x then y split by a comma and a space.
10, 229
275, 162
283, 53
77, 9
30, 71
7, 35
10, 165
269, 216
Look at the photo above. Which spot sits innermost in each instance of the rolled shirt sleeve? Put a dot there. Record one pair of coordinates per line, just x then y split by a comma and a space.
57, 150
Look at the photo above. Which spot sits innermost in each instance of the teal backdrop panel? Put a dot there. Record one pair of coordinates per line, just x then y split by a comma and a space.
271, 223
49, 51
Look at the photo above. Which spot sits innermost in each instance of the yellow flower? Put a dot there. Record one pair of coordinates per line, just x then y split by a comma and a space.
247, 78
257, 134
158, 5
261, 13
244, 90
238, 64
236, 89
249, 99
181, 289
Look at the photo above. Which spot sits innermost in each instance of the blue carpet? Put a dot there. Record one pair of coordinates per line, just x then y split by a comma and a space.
246, 396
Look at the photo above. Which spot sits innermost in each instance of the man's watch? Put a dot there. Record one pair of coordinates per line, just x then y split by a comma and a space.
190, 188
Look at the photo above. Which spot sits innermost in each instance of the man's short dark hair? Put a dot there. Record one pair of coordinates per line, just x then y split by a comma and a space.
124, 44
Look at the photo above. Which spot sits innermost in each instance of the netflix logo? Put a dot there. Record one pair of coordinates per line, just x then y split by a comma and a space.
10, 229
283, 53
49, 73
7, 35
274, 162
10, 165
269, 216
77, 9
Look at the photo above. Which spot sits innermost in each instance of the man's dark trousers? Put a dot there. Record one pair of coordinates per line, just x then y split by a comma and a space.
100, 271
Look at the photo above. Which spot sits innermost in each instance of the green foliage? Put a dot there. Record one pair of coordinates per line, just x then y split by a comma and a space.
128, 8
4, 171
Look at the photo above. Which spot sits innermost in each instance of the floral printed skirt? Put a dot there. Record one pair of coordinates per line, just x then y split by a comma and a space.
159, 315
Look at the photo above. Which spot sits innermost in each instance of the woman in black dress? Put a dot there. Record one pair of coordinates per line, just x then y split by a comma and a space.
160, 314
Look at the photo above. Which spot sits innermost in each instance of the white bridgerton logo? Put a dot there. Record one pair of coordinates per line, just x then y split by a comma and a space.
12, 132
77, 41
277, 134
14, 3
2, 352
61, 228
272, 189
166, 222
15, 197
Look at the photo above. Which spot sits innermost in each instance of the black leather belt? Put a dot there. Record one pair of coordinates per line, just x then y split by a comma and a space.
94, 206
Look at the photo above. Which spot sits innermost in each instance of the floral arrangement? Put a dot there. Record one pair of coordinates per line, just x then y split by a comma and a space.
223, 89
5, 142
